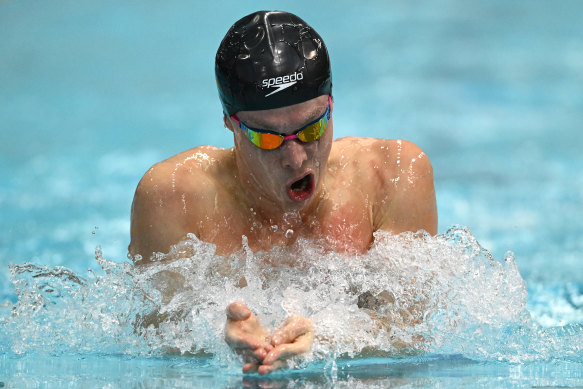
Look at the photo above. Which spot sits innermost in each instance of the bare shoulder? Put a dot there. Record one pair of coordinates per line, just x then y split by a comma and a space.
172, 193
191, 172
197, 160
383, 158
396, 175
403, 156
406, 201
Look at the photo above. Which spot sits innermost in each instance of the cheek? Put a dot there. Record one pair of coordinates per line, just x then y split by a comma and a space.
263, 167
323, 148
266, 159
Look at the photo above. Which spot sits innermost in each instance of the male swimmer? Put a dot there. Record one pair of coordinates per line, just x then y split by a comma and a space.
285, 177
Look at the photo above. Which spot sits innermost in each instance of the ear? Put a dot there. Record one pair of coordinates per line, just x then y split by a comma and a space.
228, 123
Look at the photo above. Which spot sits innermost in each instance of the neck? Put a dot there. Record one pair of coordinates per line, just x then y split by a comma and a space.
271, 211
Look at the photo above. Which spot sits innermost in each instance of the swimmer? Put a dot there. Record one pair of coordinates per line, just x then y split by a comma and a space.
284, 179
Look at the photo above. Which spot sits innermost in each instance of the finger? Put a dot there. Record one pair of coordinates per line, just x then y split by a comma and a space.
266, 369
251, 356
295, 327
238, 311
250, 368
301, 345
260, 353
243, 341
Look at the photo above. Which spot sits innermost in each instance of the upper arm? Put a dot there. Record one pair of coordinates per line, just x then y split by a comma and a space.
156, 221
407, 193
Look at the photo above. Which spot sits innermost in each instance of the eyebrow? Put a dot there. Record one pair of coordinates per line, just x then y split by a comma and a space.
314, 114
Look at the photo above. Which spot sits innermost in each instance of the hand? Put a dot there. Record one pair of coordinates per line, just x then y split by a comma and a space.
246, 336
294, 338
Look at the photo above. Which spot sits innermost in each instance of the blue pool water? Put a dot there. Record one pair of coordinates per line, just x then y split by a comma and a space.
92, 93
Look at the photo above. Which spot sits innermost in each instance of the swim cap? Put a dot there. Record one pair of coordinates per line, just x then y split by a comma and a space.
271, 59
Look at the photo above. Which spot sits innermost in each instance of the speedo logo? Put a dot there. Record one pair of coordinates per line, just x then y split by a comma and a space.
282, 83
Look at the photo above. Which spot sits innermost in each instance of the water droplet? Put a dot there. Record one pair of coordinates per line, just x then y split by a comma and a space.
289, 233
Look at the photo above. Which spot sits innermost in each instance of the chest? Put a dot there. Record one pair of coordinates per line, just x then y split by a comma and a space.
342, 222
340, 227
347, 225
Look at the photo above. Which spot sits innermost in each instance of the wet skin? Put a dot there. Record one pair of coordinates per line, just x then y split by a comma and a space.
337, 192
264, 353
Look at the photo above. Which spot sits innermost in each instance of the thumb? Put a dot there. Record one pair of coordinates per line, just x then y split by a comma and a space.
238, 311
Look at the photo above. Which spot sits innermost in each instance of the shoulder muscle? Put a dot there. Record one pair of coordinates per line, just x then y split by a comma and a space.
406, 201
169, 199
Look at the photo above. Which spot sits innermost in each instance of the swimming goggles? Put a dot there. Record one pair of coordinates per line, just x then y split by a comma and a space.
269, 140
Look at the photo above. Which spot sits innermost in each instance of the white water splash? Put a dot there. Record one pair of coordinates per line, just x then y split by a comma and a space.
443, 294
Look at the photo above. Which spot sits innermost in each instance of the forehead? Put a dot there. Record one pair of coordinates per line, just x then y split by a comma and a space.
286, 118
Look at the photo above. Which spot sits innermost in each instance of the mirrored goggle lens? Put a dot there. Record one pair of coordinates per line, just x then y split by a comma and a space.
314, 131
264, 140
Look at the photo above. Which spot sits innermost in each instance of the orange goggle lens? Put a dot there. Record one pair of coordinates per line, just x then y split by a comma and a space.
265, 141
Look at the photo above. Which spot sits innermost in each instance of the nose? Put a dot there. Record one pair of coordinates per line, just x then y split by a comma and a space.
293, 154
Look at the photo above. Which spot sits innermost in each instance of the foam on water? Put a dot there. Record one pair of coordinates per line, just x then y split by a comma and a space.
430, 295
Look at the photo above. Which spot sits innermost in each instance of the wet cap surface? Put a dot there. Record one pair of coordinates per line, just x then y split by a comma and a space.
271, 59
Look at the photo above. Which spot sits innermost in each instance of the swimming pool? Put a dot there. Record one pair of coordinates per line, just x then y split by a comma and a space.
93, 93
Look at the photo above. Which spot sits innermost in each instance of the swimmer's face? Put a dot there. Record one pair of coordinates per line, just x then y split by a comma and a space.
290, 176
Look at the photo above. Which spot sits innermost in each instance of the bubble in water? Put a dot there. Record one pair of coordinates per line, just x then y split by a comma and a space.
289, 233
291, 217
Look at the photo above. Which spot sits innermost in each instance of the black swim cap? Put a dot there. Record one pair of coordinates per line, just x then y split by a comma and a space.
271, 59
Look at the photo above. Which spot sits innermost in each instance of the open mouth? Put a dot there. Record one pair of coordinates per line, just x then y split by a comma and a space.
301, 189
